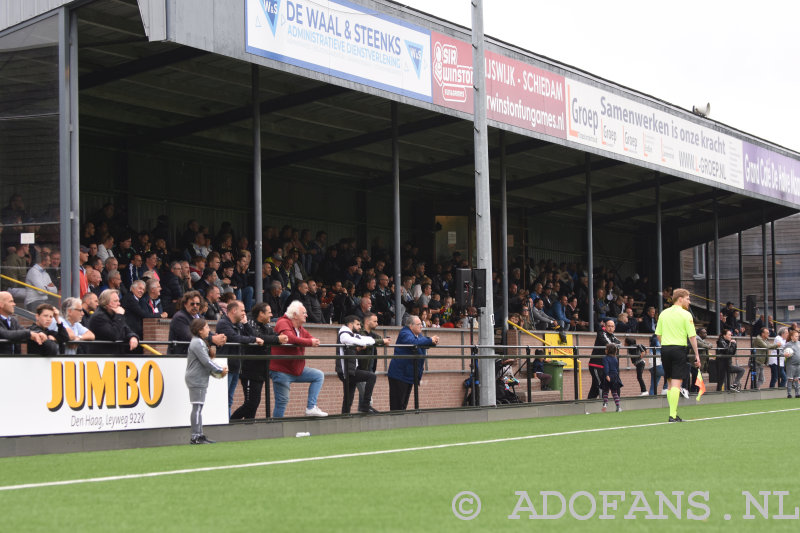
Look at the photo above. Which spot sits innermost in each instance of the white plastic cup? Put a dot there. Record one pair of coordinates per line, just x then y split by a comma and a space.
303, 434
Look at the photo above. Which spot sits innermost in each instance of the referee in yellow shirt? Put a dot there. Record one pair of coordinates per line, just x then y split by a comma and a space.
674, 329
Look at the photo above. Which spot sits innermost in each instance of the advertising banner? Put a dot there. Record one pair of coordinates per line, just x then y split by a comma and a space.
771, 174
343, 40
613, 123
42, 396
516, 93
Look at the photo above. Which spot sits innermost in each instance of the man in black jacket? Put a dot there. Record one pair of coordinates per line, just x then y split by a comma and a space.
10, 329
45, 314
108, 324
605, 336
232, 326
179, 326
352, 341
134, 312
255, 372
726, 347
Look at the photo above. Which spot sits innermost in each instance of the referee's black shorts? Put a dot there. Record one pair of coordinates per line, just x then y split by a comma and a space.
673, 359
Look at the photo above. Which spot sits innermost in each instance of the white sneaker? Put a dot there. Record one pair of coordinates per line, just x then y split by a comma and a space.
684, 393
645, 393
663, 391
315, 411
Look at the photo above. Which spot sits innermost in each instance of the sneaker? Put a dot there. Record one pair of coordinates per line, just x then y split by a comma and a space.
605, 406
369, 410
199, 439
619, 409
645, 393
789, 396
315, 411
676, 419
684, 393
205, 440
663, 391
736, 388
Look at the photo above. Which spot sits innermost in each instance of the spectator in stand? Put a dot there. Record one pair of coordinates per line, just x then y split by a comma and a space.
151, 303
188, 236
46, 314
73, 312
284, 372
542, 320
726, 347
537, 369
273, 298
734, 324
89, 304
623, 326
114, 281
313, 304
11, 331
179, 327
364, 306
54, 270
172, 288
134, 271
214, 311
134, 311
105, 248
186, 276
600, 308
197, 248
558, 312
232, 325
241, 281
142, 243
108, 324
649, 321
15, 266
87, 235
776, 362
38, 277
254, 372
208, 279
124, 252
762, 349
403, 373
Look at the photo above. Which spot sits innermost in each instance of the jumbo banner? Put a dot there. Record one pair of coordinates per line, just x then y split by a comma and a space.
616, 124
343, 40
517, 94
53, 395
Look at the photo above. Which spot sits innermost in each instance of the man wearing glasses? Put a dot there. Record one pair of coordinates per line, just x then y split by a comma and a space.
72, 309
179, 328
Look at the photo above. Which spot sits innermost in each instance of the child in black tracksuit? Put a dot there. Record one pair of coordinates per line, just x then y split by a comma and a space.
612, 380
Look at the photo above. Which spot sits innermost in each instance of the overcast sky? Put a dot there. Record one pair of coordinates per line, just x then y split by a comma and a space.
741, 57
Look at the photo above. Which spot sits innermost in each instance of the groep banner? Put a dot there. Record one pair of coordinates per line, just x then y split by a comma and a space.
51, 395
344, 40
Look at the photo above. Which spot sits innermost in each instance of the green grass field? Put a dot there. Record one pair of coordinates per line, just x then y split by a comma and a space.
414, 490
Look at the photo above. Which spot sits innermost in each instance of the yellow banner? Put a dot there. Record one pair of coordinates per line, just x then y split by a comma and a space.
552, 353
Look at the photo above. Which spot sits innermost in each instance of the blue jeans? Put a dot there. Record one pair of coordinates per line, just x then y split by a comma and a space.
778, 376
656, 373
233, 378
246, 295
281, 382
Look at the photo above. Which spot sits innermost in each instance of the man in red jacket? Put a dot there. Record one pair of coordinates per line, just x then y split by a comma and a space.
284, 372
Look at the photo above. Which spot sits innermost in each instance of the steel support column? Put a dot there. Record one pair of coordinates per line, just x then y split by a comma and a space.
504, 233
659, 246
718, 306
398, 276
765, 310
483, 225
741, 269
774, 274
69, 215
258, 229
589, 240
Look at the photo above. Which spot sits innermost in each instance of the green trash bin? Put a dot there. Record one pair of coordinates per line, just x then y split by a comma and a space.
556, 369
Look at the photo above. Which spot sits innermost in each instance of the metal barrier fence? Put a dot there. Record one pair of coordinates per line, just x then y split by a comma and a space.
520, 352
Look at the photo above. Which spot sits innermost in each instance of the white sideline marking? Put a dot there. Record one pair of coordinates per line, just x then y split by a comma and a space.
363, 454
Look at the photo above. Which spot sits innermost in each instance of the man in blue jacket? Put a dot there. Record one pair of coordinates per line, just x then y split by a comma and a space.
402, 371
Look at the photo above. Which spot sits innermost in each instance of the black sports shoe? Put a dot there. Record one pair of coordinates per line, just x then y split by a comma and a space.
205, 440
369, 410
196, 440
676, 419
